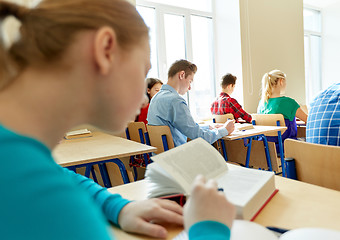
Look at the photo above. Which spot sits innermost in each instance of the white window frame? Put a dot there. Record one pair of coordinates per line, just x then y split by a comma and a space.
160, 10
308, 33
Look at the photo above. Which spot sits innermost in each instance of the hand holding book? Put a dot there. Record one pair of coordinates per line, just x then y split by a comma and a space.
206, 203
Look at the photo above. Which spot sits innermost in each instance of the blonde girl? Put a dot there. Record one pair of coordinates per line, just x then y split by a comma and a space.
273, 102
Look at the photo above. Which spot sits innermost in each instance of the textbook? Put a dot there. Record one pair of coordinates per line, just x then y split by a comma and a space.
242, 230
78, 134
174, 171
243, 126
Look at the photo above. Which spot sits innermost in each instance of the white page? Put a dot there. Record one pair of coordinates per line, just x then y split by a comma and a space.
185, 162
240, 183
311, 234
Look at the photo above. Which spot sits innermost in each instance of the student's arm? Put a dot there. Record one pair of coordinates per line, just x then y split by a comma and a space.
207, 213
182, 120
111, 204
135, 216
238, 110
301, 114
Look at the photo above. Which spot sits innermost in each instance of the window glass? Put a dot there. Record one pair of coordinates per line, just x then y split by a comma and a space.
174, 38
312, 20
203, 89
149, 15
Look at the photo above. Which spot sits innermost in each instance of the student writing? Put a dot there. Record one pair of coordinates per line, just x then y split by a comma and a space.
225, 104
170, 109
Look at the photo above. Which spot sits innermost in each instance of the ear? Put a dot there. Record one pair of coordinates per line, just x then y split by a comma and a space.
148, 90
181, 75
105, 48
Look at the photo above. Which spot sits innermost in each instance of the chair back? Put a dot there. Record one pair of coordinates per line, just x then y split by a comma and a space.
160, 137
315, 163
136, 131
222, 118
269, 120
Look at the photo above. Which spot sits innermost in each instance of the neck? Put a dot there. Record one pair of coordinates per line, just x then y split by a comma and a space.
173, 82
276, 92
44, 112
226, 90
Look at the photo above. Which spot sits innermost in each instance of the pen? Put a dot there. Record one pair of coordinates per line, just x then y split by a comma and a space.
279, 230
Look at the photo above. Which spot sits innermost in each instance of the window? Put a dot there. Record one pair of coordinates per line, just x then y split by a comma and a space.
312, 40
183, 30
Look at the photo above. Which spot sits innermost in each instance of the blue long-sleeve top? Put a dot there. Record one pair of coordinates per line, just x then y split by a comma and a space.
41, 200
168, 108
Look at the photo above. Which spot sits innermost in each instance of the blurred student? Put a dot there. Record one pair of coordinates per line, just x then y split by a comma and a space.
153, 85
272, 102
225, 104
170, 109
76, 62
323, 124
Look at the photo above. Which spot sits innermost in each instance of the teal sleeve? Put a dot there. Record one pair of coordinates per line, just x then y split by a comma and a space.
209, 230
111, 204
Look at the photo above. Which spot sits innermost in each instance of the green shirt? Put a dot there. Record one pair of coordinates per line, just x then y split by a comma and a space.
283, 105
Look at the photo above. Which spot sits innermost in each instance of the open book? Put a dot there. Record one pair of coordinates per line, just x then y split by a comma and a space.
243, 230
78, 134
174, 171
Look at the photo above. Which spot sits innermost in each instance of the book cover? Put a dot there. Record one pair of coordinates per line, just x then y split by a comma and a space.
78, 134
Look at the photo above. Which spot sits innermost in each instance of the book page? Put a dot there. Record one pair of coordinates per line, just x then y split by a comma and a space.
185, 162
240, 184
311, 234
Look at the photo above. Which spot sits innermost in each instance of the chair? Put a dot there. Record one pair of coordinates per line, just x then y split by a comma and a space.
269, 120
222, 118
315, 163
136, 131
160, 137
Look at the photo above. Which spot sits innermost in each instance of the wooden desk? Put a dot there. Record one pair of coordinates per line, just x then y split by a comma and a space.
249, 134
296, 205
258, 130
99, 148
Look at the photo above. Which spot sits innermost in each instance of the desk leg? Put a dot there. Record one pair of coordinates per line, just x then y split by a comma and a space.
266, 150
105, 175
224, 151
248, 145
281, 154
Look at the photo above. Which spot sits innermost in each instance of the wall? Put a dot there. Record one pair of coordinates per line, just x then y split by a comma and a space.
330, 44
272, 38
228, 44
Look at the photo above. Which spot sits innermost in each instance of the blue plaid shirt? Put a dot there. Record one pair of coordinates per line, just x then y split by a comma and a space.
323, 124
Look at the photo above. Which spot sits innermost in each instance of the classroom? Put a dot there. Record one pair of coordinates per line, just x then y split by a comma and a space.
159, 119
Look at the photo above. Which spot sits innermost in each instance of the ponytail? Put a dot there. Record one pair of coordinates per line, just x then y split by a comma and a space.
7, 66
269, 80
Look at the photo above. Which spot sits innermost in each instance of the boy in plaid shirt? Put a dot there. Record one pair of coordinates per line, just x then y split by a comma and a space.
225, 104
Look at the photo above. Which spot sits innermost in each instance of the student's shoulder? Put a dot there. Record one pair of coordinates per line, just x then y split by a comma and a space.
38, 189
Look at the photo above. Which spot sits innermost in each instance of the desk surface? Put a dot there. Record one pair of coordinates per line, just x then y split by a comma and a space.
99, 147
253, 132
296, 205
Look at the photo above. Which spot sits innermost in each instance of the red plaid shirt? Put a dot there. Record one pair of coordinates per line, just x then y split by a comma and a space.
225, 104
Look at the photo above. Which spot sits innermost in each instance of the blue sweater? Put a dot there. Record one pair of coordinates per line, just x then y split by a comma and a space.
41, 200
